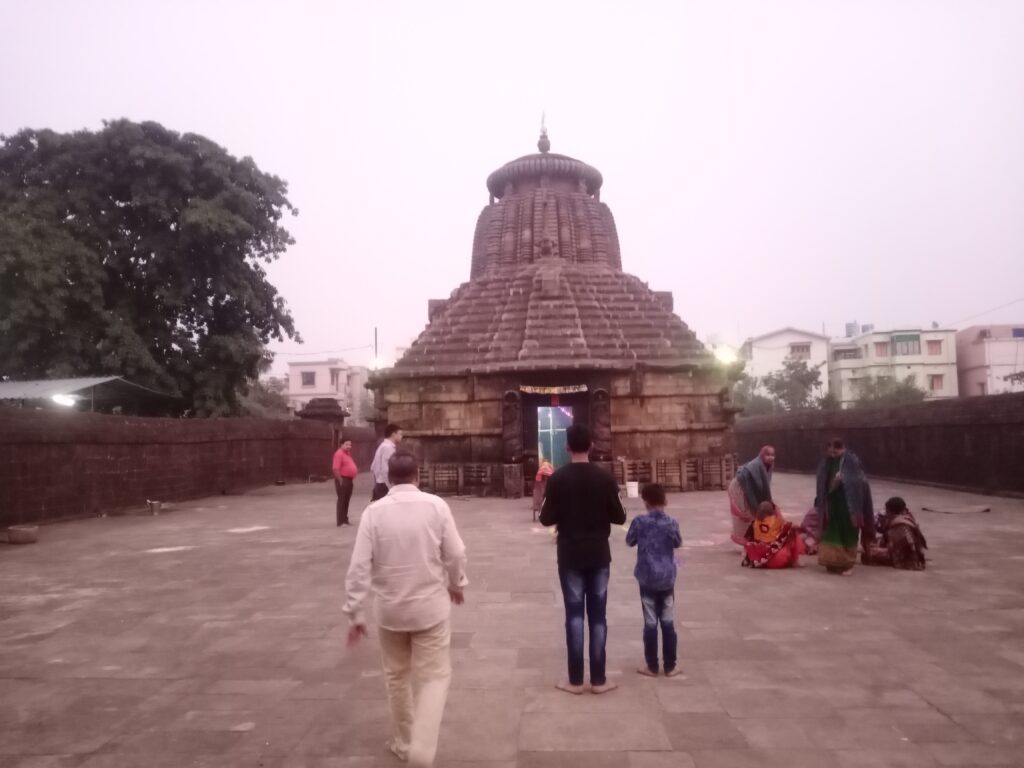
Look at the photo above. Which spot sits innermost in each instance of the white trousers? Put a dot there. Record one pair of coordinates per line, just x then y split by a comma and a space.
418, 672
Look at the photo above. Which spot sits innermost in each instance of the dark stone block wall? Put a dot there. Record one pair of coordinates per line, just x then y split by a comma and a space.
971, 443
61, 465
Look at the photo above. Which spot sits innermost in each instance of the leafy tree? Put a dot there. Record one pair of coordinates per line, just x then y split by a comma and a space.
267, 398
887, 392
753, 403
794, 385
137, 251
829, 402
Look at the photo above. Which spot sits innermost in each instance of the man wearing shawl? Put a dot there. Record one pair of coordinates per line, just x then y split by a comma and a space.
845, 510
751, 487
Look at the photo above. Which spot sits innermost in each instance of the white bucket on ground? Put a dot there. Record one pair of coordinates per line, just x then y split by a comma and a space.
632, 489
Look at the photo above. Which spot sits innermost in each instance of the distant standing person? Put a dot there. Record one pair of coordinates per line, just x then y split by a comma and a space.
409, 554
845, 509
345, 471
748, 490
656, 537
379, 466
583, 501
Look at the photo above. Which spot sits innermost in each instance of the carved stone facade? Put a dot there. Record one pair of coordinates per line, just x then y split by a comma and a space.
548, 318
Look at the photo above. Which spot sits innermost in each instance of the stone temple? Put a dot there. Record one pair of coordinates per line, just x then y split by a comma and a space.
549, 331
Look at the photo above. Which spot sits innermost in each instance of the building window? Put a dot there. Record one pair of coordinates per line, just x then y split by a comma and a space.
800, 351
906, 346
1018, 333
984, 388
935, 347
935, 382
881, 349
846, 354
309, 378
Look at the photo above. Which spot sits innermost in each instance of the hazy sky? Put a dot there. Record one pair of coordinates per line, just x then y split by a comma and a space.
772, 163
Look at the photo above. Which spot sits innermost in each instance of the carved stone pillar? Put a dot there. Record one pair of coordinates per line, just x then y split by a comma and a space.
601, 424
512, 427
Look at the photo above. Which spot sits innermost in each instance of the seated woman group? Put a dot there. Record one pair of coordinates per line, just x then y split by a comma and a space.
842, 517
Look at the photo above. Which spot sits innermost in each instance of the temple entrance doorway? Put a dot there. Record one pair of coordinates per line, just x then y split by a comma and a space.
552, 421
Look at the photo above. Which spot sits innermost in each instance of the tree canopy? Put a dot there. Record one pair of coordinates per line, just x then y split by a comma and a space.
139, 252
753, 403
794, 385
885, 391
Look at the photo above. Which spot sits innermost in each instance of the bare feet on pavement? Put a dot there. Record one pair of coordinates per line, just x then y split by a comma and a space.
568, 687
674, 673
646, 672
609, 686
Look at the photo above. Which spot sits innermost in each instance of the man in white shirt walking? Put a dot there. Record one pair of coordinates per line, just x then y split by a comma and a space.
408, 553
379, 467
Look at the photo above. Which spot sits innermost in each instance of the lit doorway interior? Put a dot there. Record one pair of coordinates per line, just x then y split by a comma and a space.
552, 421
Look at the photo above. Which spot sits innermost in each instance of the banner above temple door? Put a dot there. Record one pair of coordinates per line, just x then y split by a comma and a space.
569, 390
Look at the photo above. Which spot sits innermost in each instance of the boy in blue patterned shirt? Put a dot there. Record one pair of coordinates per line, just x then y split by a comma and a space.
656, 537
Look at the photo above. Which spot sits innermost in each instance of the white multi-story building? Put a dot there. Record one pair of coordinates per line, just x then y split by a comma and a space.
328, 378
987, 356
768, 353
927, 357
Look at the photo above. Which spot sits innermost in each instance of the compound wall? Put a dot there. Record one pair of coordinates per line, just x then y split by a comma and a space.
971, 443
60, 465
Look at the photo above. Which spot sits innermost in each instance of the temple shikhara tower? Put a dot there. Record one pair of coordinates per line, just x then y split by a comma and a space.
549, 331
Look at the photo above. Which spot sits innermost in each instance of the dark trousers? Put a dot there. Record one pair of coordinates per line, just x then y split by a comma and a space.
344, 489
380, 490
585, 592
658, 608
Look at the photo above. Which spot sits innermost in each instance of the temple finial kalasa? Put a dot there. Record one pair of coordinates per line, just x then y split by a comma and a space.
543, 143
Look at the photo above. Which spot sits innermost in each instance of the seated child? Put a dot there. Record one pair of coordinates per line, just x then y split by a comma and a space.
902, 544
771, 541
656, 536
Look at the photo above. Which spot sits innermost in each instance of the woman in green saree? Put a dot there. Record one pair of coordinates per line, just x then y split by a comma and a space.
844, 508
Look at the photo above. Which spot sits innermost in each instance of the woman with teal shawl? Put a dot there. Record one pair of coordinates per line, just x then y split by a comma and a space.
844, 508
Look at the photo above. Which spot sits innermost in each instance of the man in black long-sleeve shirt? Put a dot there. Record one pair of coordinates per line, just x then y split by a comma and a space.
583, 501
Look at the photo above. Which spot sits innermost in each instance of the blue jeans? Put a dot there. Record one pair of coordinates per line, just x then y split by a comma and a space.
585, 592
658, 609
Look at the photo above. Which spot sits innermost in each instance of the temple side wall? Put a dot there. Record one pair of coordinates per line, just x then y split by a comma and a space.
61, 465
653, 415
669, 415
974, 443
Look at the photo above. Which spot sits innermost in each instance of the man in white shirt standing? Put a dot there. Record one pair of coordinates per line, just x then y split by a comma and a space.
409, 554
379, 467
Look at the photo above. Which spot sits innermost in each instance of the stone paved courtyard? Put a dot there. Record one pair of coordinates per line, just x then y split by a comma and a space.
211, 636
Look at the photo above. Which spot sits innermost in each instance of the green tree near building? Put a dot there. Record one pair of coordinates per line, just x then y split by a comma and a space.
753, 403
887, 392
140, 252
793, 386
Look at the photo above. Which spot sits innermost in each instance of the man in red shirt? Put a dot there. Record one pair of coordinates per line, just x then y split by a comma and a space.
345, 471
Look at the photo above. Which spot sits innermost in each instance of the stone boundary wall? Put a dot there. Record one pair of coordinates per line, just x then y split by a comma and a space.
970, 443
57, 465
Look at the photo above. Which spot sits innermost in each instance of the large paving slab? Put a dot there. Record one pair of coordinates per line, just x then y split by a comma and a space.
211, 636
